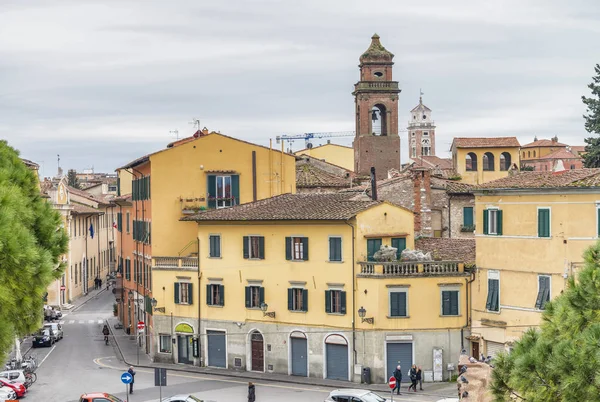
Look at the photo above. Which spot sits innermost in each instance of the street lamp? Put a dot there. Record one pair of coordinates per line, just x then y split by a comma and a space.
154, 303
264, 307
130, 295
362, 313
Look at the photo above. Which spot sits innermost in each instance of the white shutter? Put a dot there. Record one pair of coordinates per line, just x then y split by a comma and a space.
494, 348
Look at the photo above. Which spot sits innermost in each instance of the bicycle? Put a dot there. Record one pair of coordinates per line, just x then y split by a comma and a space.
30, 377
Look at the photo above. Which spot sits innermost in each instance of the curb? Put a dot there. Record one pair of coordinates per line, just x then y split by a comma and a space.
237, 375
90, 298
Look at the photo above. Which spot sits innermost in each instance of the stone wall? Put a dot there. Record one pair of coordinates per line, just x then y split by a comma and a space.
457, 203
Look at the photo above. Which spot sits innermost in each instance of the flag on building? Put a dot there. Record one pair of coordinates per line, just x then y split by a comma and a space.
91, 230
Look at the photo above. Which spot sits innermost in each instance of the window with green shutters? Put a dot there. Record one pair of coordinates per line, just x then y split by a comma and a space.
335, 302
128, 269
543, 295
493, 296
399, 243
373, 245
296, 248
492, 222
223, 191
468, 216
450, 300
297, 299
214, 242
215, 295
118, 186
140, 189
183, 293
335, 249
141, 231
398, 306
543, 222
127, 222
255, 296
254, 247
120, 221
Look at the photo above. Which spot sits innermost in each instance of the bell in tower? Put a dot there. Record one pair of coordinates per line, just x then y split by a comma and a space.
376, 143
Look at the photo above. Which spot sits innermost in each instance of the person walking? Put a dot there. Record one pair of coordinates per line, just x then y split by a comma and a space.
398, 376
412, 373
132, 372
251, 392
420, 378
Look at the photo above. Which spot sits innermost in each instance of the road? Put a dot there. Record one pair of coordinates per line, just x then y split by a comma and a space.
81, 362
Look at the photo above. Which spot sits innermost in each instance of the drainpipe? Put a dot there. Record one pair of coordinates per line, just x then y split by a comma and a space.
468, 286
449, 218
137, 252
199, 304
353, 298
143, 270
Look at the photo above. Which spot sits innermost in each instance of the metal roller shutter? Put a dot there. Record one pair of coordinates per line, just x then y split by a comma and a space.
299, 354
494, 348
217, 356
399, 354
337, 361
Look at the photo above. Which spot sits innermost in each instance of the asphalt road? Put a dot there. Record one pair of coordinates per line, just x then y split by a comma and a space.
81, 363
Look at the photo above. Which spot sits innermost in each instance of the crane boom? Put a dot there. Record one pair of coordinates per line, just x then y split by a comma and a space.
308, 136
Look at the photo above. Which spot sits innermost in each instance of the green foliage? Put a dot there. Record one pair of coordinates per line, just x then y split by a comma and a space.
592, 122
455, 177
72, 178
561, 360
32, 241
527, 168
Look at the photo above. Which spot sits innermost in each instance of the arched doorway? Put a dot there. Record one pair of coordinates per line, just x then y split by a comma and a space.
257, 351
184, 334
298, 354
336, 357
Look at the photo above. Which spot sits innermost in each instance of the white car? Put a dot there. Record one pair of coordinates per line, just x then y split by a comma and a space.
13, 375
7, 393
354, 395
183, 398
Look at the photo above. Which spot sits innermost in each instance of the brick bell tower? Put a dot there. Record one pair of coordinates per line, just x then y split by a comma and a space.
376, 142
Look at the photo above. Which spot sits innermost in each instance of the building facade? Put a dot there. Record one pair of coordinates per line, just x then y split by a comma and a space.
335, 154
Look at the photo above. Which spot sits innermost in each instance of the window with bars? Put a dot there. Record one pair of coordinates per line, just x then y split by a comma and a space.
543, 295
255, 296
254, 247
215, 295
335, 302
296, 248
297, 299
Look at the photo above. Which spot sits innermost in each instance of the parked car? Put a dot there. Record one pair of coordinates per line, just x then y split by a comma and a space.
56, 329
18, 387
13, 375
183, 398
354, 395
99, 397
7, 393
44, 337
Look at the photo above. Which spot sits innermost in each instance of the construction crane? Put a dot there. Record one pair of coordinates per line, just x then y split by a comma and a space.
308, 136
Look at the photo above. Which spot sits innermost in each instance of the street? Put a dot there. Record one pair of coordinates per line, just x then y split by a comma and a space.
81, 363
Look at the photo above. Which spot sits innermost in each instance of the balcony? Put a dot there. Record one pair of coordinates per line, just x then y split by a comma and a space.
175, 263
377, 85
412, 268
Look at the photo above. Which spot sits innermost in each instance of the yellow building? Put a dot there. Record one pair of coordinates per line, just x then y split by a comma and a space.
283, 282
540, 148
534, 229
335, 154
479, 160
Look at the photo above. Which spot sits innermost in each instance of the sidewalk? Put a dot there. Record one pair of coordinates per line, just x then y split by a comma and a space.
129, 355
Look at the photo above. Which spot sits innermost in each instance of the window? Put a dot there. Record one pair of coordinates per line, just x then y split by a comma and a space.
255, 296
543, 222
425, 134
505, 161
254, 247
543, 295
128, 269
492, 222
215, 295
468, 216
471, 162
399, 243
214, 246
119, 221
493, 296
296, 248
398, 306
297, 299
140, 189
335, 249
414, 152
488, 161
183, 293
450, 302
335, 301
165, 343
373, 245
223, 191
529, 154
534, 154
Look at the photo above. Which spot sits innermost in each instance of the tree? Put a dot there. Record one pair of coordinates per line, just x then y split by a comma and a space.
592, 122
32, 241
561, 360
72, 178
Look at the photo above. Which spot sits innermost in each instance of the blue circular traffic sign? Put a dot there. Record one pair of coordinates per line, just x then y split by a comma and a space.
126, 378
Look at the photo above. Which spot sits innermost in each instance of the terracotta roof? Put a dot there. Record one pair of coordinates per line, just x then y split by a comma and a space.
544, 143
435, 161
45, 186
79, 209
452, 186
447, 249
487, 142
298, 207
565, 178
576, 149
308, 175
561, 154
102, 199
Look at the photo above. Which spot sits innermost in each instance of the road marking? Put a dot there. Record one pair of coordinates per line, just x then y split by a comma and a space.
61, 322
90, 321
71, 321
45, 357
81, 321
100, 321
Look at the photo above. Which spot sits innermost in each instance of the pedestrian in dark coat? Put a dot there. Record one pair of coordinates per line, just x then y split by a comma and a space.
251, 392
398, 377
412, 373
420, 378
132, 372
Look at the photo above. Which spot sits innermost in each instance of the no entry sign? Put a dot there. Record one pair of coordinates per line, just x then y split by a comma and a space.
141, 325
392, 382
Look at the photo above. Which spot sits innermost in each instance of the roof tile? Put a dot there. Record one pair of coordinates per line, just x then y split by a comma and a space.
485, 142
448, 249
544, 143
565, 178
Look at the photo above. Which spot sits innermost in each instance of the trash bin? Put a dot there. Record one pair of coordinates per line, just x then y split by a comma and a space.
366, 375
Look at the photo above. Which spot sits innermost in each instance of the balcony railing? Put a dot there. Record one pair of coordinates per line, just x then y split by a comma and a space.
175, 262
438, 268
385, 85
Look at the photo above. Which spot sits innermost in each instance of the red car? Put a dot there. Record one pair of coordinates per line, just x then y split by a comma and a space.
98, 397
18, 387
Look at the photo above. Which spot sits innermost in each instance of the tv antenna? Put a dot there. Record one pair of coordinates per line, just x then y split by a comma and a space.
196, 123
176, 132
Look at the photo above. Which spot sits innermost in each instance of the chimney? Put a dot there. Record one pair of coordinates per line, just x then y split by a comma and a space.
205, 131
373, 184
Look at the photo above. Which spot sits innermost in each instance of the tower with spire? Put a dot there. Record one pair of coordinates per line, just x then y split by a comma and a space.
376, 143
421, 131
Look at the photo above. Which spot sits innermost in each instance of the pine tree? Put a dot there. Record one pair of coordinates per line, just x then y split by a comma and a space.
32, 241
72, 178
592, 122
561, 360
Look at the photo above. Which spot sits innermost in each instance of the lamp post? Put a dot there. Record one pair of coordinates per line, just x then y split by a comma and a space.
159, 309
130, 299
362, 312
264, 307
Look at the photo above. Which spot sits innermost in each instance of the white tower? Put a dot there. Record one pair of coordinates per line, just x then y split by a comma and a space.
421, 131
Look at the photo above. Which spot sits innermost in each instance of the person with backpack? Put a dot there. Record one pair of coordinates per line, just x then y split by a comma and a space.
412, 373
398, 376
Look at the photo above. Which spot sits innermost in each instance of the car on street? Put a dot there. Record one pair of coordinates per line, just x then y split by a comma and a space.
354, 395
13, 375
99, 397
183, 398
56, 329
18, 387
44, 337
7, 393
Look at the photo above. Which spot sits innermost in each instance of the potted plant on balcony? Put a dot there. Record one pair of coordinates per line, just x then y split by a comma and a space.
193, 209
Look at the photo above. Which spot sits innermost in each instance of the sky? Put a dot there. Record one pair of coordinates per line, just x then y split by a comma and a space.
101, 83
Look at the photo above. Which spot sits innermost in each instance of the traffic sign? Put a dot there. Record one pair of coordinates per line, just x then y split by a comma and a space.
126, 378
141, 325
63, 287
392, 382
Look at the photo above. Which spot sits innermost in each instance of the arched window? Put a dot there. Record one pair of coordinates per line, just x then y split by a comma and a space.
529, 154
534, 154
523, 154
505, 161
379, 124
471, 162
425, 147
488, 161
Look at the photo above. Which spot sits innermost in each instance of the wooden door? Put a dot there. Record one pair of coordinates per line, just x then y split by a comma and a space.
475, 350
257, 350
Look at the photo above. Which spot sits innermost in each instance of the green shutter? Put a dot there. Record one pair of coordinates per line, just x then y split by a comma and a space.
190, 293
288, 248
543, 223
598, 221
305, 248
445, 302
176, 292
118, 186
485, 222
400, 244
394, 304
304, 299
235, 189
222, 293
261, 294
467, 216
490, 295
149, 193
402, 304
291, 299
211, 190
373, 245
246, 239
454, 302
335, 249
499, 222
248, 296
208, 296
328, 301
343, 302
261, 248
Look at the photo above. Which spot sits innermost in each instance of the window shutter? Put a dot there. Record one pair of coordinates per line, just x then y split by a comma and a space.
328, 301
261, 296
291, 299
288, 248
261, 248
543, 223
485, 222
490, 296
246, 245
190, 293
400, 244
445, 302
499, 225
248, 296
217, 246
343, 302
495, 301
454, 303
540, 226
402, 311
467, 216
304, 299
305, 248
222, 293
208, 296
149, 193
211, 190
332, 249
176, 292
538, 300
235, 189
394, 304
598, 221
118, 186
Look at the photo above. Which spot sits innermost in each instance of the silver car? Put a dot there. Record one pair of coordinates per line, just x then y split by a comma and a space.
56, 329
354, 395
7, 393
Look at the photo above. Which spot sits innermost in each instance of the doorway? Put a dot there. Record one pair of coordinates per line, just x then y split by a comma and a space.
475, 349
184, 349
257, 351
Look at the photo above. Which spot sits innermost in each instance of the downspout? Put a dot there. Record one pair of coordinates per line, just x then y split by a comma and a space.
199, 305
449, 218
136, 250
143, 270
468, 286
353, 297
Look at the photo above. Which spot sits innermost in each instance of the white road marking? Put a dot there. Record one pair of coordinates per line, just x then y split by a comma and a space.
61, 322
81, 321
90, 321
71, 321
44, 359
100, 321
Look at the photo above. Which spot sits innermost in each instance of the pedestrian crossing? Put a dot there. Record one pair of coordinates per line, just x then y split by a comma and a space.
63, 322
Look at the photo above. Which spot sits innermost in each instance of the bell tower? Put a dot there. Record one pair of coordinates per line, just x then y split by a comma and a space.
421, 131
376, 143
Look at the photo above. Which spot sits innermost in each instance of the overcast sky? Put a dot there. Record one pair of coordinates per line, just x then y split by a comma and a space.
103, 82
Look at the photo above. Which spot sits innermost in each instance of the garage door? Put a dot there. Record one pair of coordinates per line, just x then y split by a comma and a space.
337, 361
217, 356
299, 354
399, 354
493, 348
